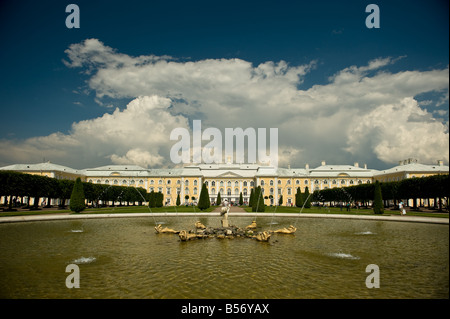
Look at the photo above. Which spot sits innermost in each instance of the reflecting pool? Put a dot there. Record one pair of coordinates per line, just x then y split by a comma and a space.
125, 258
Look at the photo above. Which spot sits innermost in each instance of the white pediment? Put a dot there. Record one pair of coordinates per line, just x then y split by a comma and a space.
229, 174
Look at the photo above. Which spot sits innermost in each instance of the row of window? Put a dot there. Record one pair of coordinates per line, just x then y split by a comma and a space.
236, 183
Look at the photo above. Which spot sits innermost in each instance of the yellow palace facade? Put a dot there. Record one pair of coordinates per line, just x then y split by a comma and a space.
230, 180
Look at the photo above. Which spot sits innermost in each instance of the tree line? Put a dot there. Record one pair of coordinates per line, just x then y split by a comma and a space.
15, 185
432, 187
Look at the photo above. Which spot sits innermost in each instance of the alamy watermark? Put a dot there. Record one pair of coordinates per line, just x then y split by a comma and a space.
373, 279
73, 279
186, 152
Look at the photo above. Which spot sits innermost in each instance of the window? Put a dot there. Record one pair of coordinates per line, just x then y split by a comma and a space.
90, 181
297, 182
221, 183
195, 182
236, 191
325, 181
195, 190
168, 191
160, 182
279, 182
289, 191
116, 182
334, 182
124, 182
229, 183
221, 191
252, 183
132, 182
186, 182
306, 182
213, 191
245, 191
141, 181
213, 183
271, 182
152, 182
351, 182
289, 182
316, 182
160, 189
236, 183
186, 191
178, 182
168, 182
98, 181
245, 183
262, 183
206, 183
228, 192
343, 182
271, 191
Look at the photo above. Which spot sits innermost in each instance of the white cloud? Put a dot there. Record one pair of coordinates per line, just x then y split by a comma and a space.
364, 113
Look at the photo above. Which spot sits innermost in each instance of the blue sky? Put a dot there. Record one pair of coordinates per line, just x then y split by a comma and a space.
42, 97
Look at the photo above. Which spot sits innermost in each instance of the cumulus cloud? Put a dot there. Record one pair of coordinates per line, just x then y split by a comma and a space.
364, 113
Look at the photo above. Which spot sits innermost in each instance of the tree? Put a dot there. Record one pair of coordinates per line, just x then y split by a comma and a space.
307, 200
299, 198
77, 199
219, 200
258, 202
280, 201
378, 199
252, 198
204, 202
178, 200
241, 199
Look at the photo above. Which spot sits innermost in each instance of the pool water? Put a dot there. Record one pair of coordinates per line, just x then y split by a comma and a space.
125, 258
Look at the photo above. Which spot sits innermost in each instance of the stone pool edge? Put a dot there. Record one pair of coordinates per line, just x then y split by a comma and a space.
31, 218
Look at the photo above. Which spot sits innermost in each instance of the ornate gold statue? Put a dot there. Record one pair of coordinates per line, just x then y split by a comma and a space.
290, 230
160, 230
262, 236
199, 225
252, 225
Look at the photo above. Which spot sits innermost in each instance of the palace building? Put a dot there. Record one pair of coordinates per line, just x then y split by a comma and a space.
230, 179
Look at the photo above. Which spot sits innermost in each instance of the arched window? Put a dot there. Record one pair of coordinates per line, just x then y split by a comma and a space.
141, 181
297, 182
236, 191
252, 183
195, 182
271, 182
229, 183
160, 182
206, 183
213, 183
213, 191
279, 182
195, 190
168, 182
116, 182
236, 183
245, 183
228, 192
152, 182
98, 181
186, 190
186, 182
262, 183
271, 191
245, 191
221, 183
